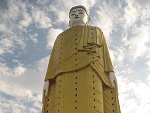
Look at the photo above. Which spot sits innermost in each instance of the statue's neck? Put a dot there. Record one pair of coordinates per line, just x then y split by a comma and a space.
78, 24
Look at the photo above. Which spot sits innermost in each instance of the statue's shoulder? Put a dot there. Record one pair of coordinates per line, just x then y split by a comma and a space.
98, 28
95, 27
72, 28
64, 32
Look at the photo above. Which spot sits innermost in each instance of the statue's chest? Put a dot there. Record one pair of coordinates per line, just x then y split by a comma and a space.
78, 35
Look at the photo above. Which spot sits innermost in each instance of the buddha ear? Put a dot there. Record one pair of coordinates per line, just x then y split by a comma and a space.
89, 19
69, 23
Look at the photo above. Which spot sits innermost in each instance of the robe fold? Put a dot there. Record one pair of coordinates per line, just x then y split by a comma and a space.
78, 72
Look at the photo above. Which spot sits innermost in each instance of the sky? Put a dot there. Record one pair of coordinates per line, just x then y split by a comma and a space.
28, 29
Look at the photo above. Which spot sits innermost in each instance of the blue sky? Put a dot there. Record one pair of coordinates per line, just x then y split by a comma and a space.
28, 29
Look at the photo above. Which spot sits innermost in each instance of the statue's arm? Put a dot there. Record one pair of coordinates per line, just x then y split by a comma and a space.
45, 89
47, 81
47, 77
113, 79
108, 66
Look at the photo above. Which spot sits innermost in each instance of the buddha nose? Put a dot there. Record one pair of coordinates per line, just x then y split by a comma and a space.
76, 15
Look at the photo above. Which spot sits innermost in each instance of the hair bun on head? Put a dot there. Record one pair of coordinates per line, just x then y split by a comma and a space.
79, 6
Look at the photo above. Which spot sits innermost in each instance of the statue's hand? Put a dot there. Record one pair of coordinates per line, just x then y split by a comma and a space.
45, 89
113, 79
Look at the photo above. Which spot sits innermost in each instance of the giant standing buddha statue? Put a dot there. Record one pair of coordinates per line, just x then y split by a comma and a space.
80, 76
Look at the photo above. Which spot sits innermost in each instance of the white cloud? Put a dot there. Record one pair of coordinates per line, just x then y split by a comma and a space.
32, 110
134, 95
19, 70
38, 103
22, 81
13, 89
119, 55
144, 16
16, 9
138, 43
51, 36
1, 51
131, 14
136, 35
1, 110
148, 79
33, 37
15, 105
11, 27
148, 65
13, 9
112, 56
15, 22
136, 11
4, 70
24, 89
106, 18
61, 8
144, 3
108, 26
26, 21
16, 110
8, 72
3, 27
130, 106
6, 45
40, 18
26, 18
60, 11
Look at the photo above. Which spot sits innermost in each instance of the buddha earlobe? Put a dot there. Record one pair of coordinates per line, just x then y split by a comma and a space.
69, 23
89, 19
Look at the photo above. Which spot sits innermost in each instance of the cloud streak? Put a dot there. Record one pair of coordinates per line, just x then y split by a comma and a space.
23, 86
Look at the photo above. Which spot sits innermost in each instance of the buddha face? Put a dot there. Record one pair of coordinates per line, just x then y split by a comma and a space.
78, 16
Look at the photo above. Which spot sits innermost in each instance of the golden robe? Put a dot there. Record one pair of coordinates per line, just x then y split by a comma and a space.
78, 72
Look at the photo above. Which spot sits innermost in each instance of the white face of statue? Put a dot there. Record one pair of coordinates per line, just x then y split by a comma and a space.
78, 16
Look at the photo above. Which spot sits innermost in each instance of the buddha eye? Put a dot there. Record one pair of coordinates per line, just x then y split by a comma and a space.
72, 14
80, 12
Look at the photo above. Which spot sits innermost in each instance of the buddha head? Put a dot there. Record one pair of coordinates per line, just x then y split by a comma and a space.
78, 16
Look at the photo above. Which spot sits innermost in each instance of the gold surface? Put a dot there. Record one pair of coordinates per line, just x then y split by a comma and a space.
81, 91
78, 72
77, 47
